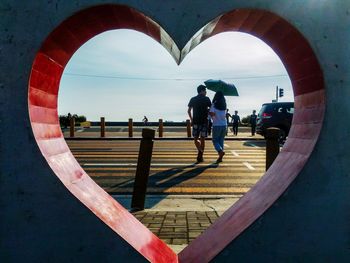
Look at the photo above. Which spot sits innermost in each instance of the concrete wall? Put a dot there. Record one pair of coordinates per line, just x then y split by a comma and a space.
42, 222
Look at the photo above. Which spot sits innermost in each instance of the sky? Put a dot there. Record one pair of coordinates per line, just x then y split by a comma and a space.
122, 74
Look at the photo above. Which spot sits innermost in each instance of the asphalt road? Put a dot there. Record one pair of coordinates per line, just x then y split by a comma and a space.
112, 164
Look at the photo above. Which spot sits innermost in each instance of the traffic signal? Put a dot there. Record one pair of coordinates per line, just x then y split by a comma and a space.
281, 93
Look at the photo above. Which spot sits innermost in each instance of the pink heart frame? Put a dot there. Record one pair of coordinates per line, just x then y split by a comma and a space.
308, 85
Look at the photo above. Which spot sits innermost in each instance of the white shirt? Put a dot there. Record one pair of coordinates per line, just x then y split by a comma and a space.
219, 118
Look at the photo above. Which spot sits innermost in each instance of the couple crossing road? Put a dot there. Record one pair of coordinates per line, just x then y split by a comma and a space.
198, 109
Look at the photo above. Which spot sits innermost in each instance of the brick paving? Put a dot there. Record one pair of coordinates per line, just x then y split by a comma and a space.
177, 228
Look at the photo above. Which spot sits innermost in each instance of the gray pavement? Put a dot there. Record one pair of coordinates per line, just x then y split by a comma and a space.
179, 219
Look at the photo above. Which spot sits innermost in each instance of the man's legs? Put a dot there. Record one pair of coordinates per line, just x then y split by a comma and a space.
201, 152
200, 145
197, 143
234, 127
196, 132
253, 130
200, 132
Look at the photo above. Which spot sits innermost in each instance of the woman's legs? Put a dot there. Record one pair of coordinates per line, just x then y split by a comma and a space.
218, 140
222, 137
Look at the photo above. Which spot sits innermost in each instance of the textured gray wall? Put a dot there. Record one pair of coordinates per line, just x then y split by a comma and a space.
42, 222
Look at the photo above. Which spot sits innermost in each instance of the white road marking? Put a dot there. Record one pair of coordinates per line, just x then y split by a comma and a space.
164, 164
247, 155
251, 150
234, 153
249, 166
110, 164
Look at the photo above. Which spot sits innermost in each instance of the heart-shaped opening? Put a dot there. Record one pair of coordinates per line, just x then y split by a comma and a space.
294, 51
183, 197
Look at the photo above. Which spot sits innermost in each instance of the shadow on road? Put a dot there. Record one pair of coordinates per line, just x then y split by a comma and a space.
165, 180
257, 143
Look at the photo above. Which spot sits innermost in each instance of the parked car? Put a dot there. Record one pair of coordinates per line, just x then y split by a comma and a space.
275, 114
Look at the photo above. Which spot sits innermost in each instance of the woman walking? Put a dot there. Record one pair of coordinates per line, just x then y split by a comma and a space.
218, 115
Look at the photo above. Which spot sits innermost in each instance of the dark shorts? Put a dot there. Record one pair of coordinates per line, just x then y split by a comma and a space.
200, 130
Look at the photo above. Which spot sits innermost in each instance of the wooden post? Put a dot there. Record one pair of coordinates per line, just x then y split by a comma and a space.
130, 128
142, 170
72, 126
272, 145
103, 126
160, 129
188, 124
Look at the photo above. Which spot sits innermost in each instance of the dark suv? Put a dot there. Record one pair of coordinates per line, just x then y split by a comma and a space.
275, 114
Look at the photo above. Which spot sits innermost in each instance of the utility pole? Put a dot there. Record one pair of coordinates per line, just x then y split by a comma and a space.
276, 93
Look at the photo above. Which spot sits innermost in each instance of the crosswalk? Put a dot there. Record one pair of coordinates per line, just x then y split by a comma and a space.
112, 164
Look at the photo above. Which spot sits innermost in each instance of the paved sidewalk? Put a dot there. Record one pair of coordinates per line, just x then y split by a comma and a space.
179, 219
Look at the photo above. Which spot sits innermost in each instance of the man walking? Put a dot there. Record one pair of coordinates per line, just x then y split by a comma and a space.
253, 122
200, 105
228, 116
235, 121
145, 120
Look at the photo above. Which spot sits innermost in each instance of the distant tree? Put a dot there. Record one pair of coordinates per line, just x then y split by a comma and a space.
65, 119
246, 120
80, 118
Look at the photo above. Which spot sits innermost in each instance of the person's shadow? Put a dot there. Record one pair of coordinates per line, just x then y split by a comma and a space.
162, 181
258, 143
175, 176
